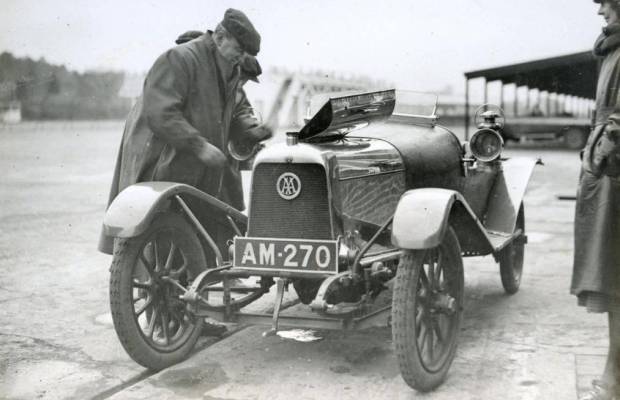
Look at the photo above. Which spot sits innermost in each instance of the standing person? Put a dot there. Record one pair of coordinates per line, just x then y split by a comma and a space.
596, 268
178, 130
245, 130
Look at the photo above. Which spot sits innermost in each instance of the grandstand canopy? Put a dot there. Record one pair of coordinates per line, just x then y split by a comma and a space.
572, 74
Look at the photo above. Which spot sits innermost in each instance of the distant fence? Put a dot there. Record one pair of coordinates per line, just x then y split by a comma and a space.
42, 126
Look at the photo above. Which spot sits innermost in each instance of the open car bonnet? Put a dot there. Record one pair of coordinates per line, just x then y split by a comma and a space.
344, 114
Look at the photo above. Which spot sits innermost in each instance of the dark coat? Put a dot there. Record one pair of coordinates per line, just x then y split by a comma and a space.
596, 265
189, 96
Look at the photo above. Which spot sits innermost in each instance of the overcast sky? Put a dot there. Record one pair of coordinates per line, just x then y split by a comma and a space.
417, 44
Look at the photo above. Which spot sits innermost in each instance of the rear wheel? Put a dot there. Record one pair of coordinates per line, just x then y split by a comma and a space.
511, 257
426, 312
151, 322
574, 139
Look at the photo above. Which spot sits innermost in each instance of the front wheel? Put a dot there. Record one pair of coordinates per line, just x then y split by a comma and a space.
511, 257
151, 322
426, 312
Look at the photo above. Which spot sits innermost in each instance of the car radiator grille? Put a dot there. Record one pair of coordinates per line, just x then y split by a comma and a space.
306, 216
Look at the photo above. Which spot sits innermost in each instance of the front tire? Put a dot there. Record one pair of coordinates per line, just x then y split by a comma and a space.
511, 257
151, 322
427, 311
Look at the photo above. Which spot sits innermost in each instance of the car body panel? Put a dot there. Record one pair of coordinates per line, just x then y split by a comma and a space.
372, 206
431, 153
423, 215
133, 209
507, 194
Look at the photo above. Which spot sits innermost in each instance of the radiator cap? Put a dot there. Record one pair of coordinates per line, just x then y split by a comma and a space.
292, 138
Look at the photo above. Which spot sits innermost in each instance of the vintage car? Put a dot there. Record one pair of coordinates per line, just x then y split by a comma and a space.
344, 215
571, 131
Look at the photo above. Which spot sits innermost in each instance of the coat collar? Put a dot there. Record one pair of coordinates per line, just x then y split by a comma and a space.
608, 41
228, 79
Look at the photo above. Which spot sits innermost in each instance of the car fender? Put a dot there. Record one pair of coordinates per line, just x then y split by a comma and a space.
133, 209
422, 217
507, 194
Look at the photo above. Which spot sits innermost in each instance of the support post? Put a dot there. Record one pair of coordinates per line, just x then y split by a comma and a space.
276, 309
515, 104
527, 99
501, 95
466, 108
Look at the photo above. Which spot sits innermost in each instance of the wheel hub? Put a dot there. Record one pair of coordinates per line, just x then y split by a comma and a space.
161, 290
443, 303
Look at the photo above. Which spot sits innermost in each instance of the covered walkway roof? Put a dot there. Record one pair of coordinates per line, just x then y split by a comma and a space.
572, 74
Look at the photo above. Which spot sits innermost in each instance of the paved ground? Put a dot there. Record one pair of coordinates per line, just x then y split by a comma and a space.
56, 338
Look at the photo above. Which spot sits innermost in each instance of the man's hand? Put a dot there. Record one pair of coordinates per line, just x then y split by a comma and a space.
260, 133
211, 156
606, 152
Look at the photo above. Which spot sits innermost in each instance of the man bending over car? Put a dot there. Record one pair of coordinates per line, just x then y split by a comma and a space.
179, 128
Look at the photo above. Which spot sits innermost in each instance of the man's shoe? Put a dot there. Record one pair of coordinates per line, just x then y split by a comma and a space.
600, 391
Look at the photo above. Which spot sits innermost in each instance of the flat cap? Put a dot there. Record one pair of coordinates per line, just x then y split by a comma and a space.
238, 25
251, 68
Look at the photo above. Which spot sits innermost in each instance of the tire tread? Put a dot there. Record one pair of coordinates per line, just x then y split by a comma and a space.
403, 328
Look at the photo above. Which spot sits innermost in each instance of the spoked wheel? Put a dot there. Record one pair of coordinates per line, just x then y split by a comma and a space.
511, 257
426, 312
152, 323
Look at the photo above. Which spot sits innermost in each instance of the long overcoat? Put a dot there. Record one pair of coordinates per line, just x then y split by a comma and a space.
596, 265
189, 93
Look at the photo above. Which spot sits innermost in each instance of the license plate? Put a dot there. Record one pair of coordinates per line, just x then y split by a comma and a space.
309, 256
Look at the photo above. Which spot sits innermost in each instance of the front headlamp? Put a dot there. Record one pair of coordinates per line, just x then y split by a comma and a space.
486, 145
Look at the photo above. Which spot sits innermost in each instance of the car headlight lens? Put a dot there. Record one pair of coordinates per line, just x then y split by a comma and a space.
486, 145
